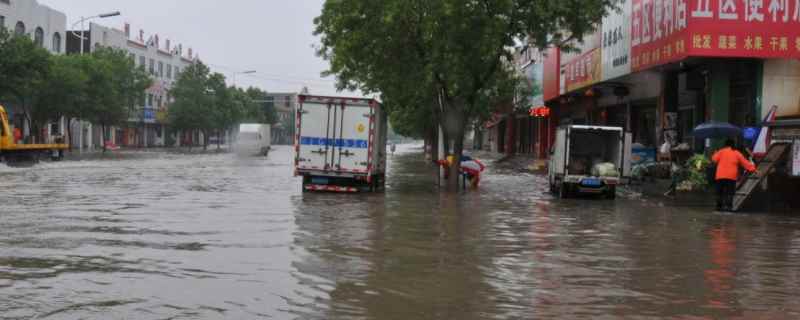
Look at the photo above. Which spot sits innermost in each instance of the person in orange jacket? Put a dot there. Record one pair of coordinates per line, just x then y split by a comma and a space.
728, 161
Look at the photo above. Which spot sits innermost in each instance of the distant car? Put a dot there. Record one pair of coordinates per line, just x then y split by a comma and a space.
253, 139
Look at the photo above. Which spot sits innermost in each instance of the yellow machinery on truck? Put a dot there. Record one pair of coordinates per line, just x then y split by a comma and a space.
10, 151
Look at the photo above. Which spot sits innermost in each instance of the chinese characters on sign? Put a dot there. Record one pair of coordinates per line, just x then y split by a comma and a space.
617, 42
584, 70
746, 28
664, 31
658, 32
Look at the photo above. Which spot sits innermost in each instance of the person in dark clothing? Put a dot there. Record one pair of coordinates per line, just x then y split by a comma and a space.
728, 161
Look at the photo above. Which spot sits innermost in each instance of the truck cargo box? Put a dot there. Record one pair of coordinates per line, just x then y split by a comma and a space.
340, 143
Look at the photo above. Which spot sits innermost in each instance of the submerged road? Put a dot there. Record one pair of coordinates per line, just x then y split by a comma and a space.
155, 235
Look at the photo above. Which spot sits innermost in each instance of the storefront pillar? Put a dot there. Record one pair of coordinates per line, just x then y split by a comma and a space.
719, 95
759, 86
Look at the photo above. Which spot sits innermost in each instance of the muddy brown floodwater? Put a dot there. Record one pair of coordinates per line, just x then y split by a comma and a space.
171, 236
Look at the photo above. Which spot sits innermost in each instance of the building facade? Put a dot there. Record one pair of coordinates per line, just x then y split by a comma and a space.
163, 61
46, 26
659, 68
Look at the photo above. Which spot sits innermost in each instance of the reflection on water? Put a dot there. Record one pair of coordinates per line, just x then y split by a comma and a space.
160, 235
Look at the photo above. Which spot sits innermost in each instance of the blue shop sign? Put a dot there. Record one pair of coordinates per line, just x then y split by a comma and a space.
150, 115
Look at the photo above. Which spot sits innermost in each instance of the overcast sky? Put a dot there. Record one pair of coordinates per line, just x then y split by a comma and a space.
273, 37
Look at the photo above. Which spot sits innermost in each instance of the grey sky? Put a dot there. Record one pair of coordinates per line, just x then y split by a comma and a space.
273, 37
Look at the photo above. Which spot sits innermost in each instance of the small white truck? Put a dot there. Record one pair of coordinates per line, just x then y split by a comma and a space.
253, 139
340, 144
589, 160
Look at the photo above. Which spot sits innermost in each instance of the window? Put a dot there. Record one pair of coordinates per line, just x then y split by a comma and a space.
152, 67
19, 29
169, 71
57, 42
177, 72
2, 21
38, 37
149, 100
142, 61
160, 69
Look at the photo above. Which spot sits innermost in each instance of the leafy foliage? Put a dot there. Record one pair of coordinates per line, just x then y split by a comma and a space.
100, 87
63, 91
449, 56
192, 109
259, 111
24, 66
114, 85
205, 103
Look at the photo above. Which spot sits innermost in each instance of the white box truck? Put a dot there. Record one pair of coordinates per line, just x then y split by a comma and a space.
253, 139
589, 160
340, 144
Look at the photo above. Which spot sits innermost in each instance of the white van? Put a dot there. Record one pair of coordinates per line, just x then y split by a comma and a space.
253, 140
589, 160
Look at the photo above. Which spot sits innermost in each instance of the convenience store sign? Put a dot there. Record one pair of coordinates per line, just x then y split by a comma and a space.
664, 31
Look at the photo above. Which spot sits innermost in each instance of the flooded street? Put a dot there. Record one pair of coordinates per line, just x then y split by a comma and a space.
172, 236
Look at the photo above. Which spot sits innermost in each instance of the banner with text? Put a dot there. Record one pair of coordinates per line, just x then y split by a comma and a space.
617, 42
583, 71
665, 31
745, 28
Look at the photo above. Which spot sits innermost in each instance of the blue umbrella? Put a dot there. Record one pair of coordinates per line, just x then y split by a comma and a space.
716, 129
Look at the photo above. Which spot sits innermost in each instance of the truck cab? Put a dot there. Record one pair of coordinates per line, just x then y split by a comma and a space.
589, 160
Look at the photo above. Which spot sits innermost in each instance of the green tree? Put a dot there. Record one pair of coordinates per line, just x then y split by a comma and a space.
63, 91
114, 86
193, 108
229, 107
24, 66
260, 111
450, 55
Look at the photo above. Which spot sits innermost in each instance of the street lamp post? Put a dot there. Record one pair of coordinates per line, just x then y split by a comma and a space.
82, 38
243, 72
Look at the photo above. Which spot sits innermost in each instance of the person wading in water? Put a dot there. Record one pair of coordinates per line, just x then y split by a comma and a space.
728, 161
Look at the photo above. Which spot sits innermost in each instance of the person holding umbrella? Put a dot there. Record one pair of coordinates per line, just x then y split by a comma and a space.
728, 161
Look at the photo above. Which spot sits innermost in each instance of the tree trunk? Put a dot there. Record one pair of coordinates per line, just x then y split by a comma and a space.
69, 134
454, 124
458, 148
205, 140
103, 137
219, 138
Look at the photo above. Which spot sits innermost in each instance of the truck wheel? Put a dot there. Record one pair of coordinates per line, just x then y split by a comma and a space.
611, 193
563, 191
306, 181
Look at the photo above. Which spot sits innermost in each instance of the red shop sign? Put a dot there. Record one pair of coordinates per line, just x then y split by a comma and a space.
584, 70
664, 31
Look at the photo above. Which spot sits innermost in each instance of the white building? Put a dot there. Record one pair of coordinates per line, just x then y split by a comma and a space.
163, 61
46, 27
